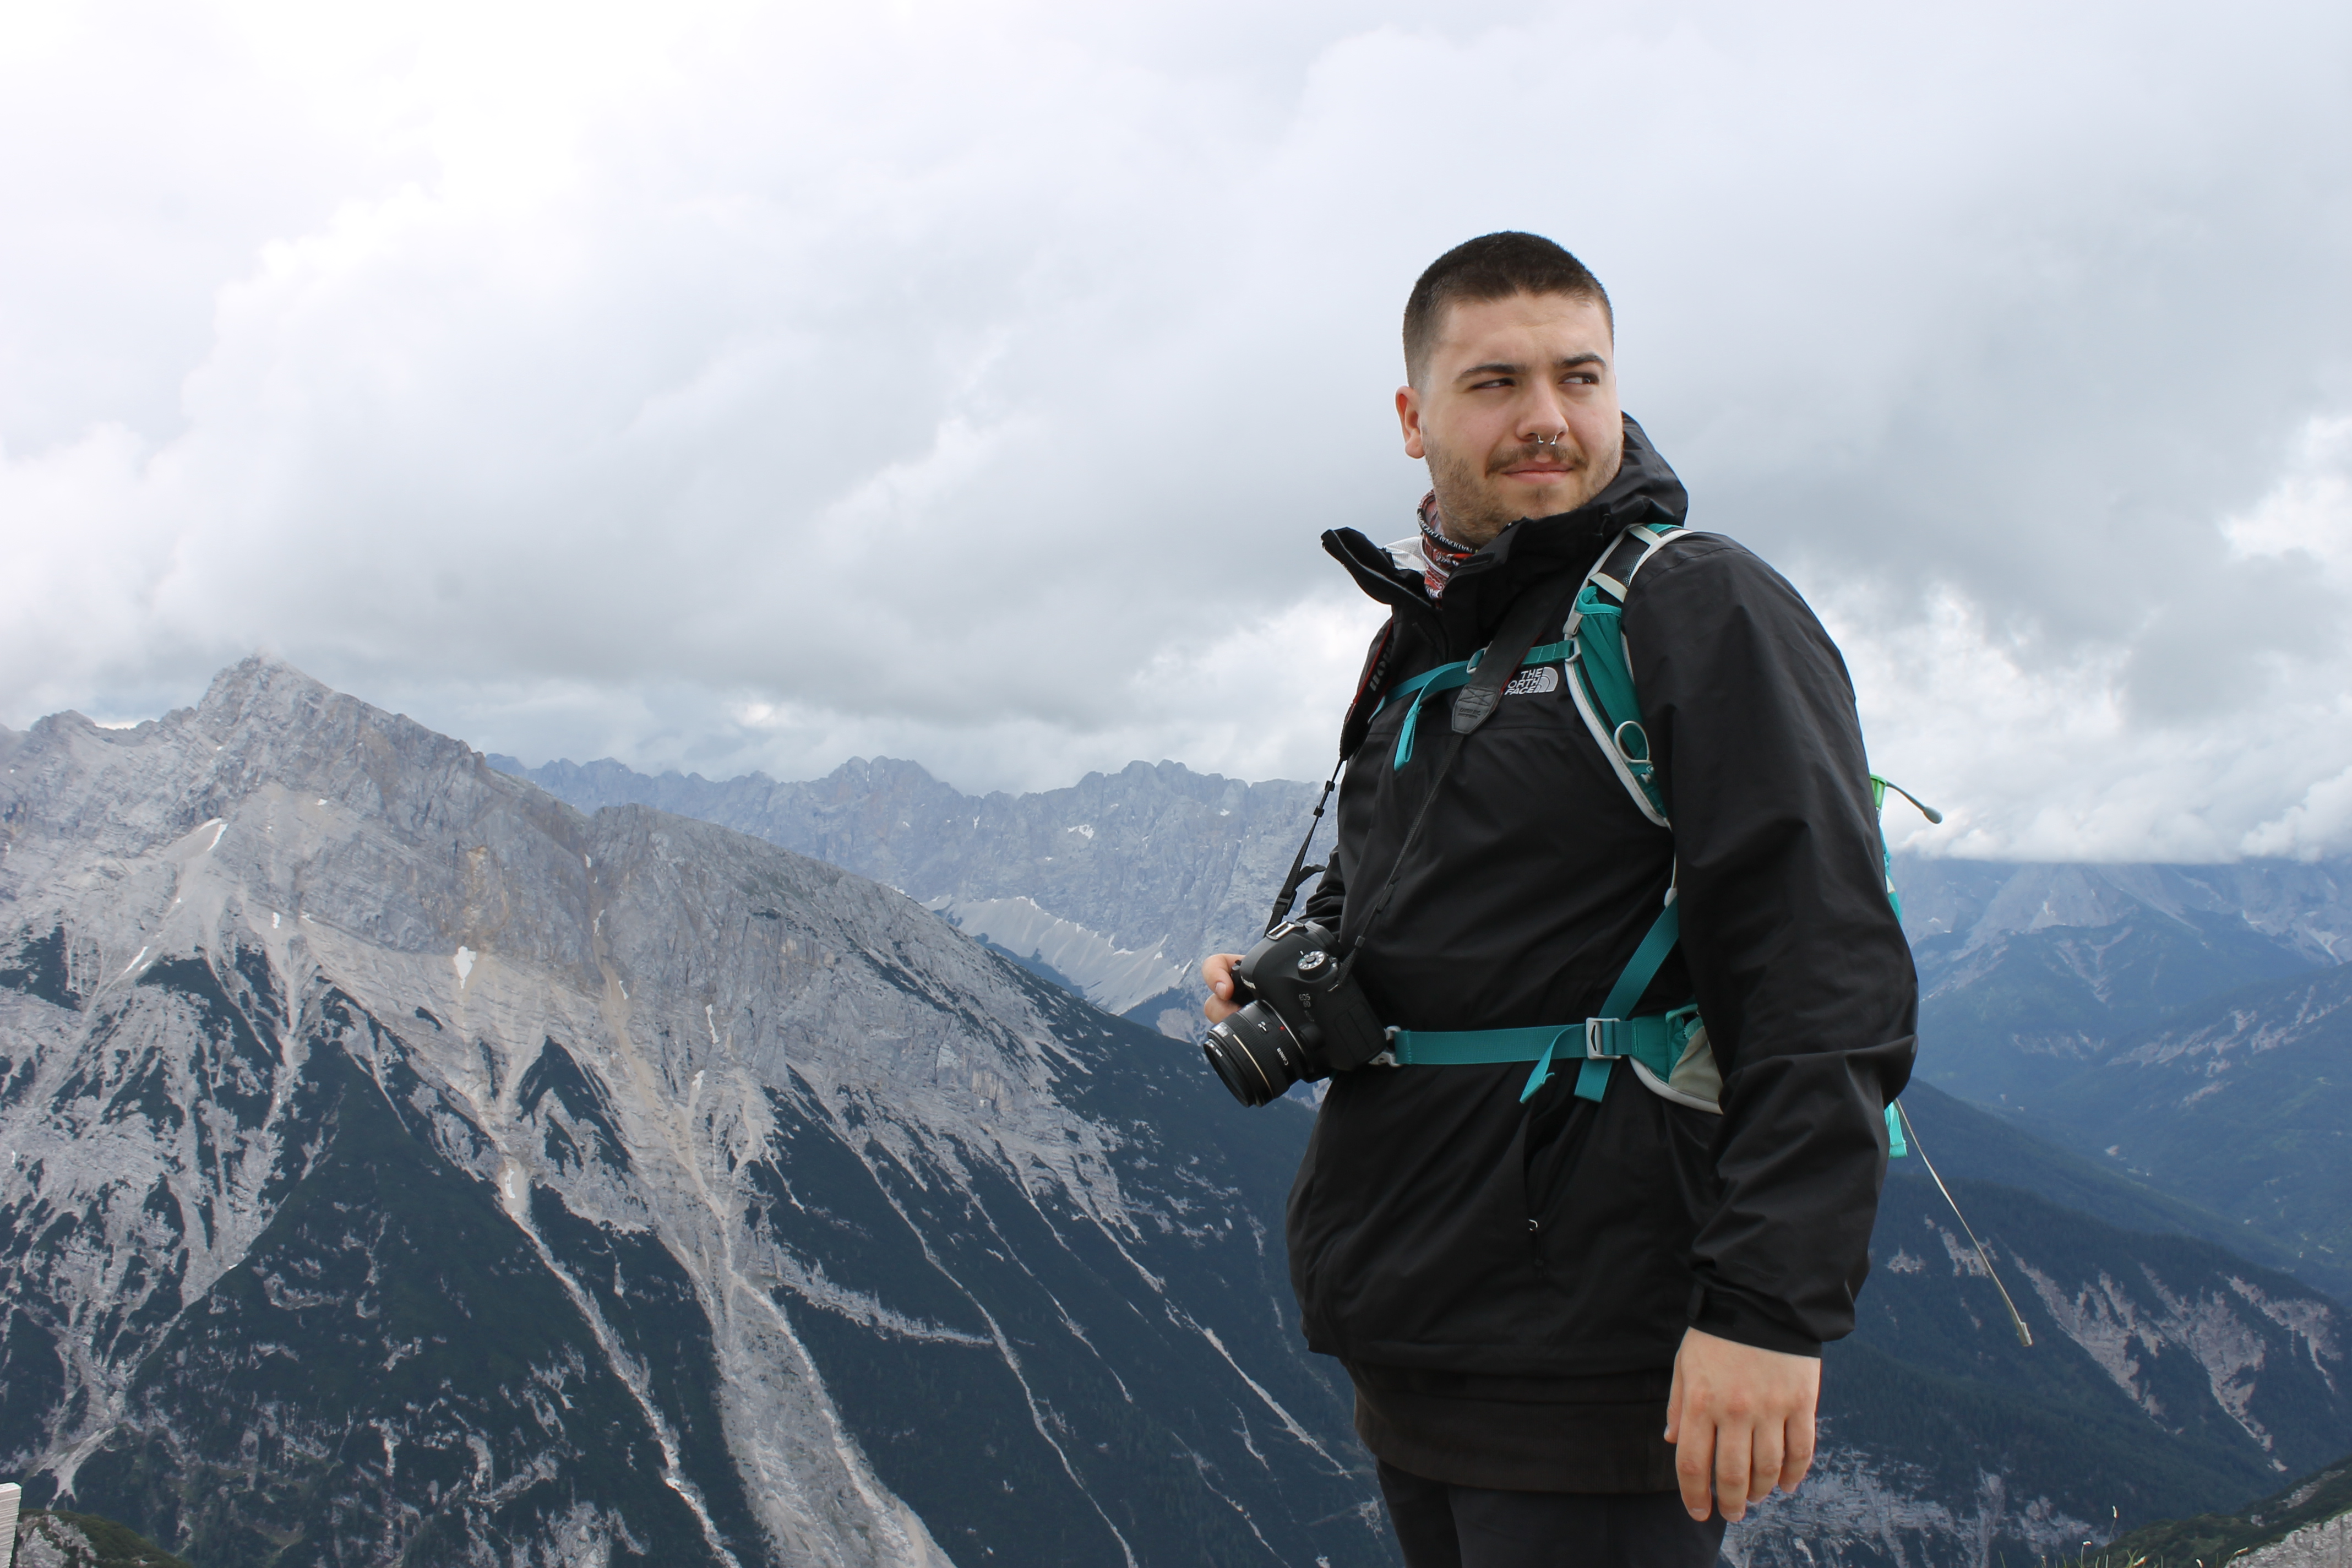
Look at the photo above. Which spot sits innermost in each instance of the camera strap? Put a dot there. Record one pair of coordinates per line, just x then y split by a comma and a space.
1487, 672
1299, 870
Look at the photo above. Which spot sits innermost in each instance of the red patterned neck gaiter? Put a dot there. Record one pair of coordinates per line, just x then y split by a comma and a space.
1440, 554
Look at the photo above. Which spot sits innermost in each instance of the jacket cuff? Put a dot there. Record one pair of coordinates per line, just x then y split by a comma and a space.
1727, 1316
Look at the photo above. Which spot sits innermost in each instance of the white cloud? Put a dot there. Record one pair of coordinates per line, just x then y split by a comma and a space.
2314, 827
2307, 517
731, 386
2044, 749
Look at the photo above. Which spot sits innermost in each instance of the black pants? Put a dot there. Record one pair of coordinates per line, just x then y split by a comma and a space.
1442, 1526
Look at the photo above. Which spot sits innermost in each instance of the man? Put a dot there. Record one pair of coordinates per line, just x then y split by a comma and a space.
1587, 1328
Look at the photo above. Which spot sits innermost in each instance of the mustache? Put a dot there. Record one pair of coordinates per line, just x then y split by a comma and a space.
1552, 451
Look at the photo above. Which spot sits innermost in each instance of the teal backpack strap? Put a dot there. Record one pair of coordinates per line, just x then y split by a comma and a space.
1656, 1040
1476, 1048
1614, 1029
1421, 688
1601, 677
1472, 708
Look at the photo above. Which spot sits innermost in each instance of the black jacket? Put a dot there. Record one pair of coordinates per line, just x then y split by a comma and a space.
1436, 1222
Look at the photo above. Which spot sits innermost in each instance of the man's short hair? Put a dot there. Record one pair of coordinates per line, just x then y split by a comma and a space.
1492, 266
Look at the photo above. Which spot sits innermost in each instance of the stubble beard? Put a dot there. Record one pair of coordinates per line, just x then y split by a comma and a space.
1474, 512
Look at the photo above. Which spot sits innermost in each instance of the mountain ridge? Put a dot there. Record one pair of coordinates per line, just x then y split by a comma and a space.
2243, 1100
257, 949
825, 1233
2000, 919
2199, 928
1121, 882
2029, 973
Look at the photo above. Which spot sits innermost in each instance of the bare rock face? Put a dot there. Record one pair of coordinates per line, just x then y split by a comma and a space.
1118, 886
2166, 1376
396, 1163
2328, 1544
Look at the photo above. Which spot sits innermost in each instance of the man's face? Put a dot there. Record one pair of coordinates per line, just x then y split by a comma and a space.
1517, 413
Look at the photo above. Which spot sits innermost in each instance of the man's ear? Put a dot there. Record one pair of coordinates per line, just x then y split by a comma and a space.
1408, 402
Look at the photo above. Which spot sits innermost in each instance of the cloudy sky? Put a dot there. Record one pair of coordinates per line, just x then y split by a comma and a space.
725, 386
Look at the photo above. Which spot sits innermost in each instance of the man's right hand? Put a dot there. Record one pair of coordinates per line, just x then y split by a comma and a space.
1217, 969
1741, 1420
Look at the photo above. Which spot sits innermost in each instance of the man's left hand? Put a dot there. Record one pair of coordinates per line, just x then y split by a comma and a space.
1741, 1418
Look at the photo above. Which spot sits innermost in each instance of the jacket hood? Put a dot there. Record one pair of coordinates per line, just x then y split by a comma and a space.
1530, 550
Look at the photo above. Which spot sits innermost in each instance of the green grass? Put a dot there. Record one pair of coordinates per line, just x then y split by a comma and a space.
112, 1545
2212, 1539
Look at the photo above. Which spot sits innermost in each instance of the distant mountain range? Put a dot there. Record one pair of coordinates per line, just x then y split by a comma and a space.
2186, 1025
2185, 1369
2241, 1104
401, 1163
1116, 887
2030, 973
2027, 970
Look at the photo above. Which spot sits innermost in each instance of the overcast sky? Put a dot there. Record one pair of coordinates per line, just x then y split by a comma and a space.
732, 386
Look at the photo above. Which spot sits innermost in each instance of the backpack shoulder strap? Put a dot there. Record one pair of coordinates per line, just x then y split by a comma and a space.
1601, 674
1482, 677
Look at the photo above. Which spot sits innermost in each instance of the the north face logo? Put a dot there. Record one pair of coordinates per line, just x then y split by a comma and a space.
1527, 683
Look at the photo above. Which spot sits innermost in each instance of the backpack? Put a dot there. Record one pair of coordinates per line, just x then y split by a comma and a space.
1669, 1053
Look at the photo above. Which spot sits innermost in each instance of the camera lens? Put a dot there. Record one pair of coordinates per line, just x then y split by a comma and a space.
1252, 1053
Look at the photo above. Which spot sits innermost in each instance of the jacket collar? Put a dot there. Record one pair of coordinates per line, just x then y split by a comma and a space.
1530, 550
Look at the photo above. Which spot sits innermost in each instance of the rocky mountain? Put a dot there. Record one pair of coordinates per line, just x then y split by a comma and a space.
2025, 1452
1978, 1143
1118, 886
2029, 973
397, 1165
2165, 1369
2185, 1024
1123, 882
2242, 1102
2167, 1374
401, 1163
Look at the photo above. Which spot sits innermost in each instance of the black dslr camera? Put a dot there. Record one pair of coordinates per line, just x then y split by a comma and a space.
1307, 1018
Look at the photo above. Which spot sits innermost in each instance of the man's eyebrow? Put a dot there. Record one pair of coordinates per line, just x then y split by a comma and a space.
1512, 367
